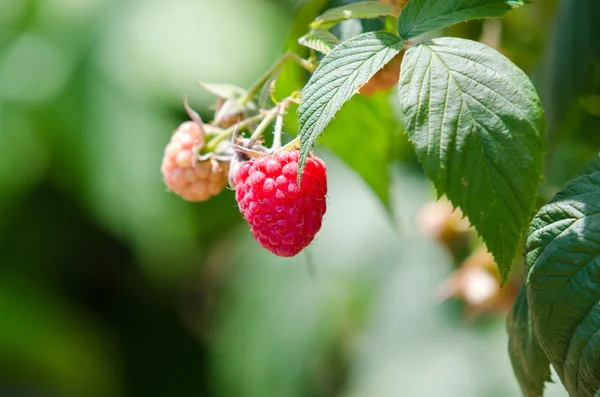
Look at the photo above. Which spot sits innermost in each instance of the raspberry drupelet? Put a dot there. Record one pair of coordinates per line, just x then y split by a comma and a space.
283, 217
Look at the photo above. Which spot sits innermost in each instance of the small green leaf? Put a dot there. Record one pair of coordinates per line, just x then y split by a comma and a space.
529, 362
319, 40
230, 107
422, 16
361, 10
266, 97
477, 125
361, 135
226, 91
562, 257
339, 76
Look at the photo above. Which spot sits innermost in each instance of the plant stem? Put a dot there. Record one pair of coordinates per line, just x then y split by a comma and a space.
212, 144
278, 129
288, 56
263, 125
265, 118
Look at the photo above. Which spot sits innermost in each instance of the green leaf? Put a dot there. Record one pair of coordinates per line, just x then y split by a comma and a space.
529, 362
422, 16
266, 97
477, 126
361, 10
339, 76
231, 106
570, 56
290, 77
563, 283
366, 153
226, 91
319, 40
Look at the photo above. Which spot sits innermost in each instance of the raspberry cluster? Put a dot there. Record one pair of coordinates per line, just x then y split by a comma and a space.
283, 217
184, 174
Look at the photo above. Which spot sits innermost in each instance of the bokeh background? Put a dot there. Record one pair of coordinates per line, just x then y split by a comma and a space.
111, 286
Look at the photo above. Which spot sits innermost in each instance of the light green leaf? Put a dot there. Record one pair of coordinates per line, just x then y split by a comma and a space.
422, 16
529, 362
232, 107
361, 10
367, 153
226, 91
339, 76
563, 283
477, 125
319, 40
266, 97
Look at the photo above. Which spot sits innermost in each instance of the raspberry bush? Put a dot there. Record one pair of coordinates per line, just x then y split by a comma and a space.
475, 123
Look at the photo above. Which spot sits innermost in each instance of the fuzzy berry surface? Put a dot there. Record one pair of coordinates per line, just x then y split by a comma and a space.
191, 179
283, 217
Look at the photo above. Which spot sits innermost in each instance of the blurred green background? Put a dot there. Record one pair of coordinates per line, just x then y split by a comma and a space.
110, 286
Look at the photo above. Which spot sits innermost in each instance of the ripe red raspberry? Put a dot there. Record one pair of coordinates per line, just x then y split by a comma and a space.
283, 217
191, 179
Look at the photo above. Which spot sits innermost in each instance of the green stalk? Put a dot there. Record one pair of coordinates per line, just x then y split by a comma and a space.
212, 144
288, 56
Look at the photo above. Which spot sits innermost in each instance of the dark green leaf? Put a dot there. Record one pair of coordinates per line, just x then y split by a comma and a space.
339, 76
477, 126
365, 9
361, 135
570, 57
422, 16
563, 283
319, 40
529, 362
291, 78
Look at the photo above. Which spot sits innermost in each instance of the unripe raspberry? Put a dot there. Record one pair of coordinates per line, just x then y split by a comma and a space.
283, 217
477, 282
440, 221
191, 179
398, 3
385, 78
